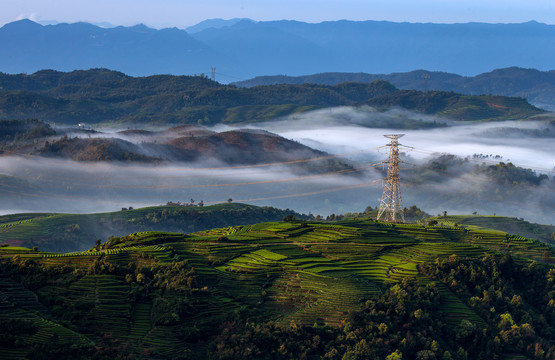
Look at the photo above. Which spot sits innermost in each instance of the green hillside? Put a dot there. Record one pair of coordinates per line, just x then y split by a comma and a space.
101, 95
354, 289
76, 232
458, 107
545, 233
536, 86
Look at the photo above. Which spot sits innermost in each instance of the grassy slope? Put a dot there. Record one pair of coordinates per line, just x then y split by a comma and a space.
502, 223
74, 232
285, 271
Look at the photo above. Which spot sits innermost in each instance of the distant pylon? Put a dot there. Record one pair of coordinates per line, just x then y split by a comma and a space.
392, 204
213, 69
425, 77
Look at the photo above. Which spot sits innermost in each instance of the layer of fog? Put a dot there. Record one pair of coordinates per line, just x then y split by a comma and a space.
348, 129
35, 184
50, 185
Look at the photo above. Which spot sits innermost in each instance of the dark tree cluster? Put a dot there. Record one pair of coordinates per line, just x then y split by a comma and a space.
509, 174
15, 131
403, 323
517, 300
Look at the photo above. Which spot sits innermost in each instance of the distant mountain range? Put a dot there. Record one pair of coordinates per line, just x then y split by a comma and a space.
213, 23
538, 87
242, 48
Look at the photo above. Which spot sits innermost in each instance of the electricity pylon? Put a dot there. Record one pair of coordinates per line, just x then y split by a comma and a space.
425, 77
392, 204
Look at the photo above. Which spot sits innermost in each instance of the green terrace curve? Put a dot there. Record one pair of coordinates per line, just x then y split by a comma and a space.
160, 292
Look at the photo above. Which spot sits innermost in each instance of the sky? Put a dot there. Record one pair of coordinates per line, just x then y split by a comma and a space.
184, 13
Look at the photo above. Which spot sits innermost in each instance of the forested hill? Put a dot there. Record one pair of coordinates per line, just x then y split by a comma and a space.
538, 87
101, 95
456, 106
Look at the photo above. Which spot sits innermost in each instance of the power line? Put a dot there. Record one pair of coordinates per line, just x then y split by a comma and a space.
273, 181
71, 163
342, 188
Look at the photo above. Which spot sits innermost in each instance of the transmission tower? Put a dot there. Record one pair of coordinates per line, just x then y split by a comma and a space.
425, 77
213, 70
391, 203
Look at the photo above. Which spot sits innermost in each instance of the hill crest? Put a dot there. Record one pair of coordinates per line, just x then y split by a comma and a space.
538, 87
99, 95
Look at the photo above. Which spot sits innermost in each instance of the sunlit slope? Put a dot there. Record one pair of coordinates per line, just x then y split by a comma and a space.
74, 232
157, 290
508, 224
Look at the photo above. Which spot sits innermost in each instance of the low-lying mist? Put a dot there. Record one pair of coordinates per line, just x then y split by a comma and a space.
350, 129
530, 145
39, 184
48, 185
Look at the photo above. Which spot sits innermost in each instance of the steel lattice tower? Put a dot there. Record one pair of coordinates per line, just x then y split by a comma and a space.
391, 203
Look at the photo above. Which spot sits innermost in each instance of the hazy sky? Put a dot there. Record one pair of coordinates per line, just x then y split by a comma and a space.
183, 13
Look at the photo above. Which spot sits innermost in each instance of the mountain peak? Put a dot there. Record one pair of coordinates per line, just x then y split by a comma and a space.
214, 23
23, 24
140, 26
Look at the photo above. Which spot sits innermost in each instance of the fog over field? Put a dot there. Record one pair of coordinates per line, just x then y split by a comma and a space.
38, 184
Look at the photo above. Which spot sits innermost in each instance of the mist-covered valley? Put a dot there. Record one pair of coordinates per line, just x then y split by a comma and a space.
320, 162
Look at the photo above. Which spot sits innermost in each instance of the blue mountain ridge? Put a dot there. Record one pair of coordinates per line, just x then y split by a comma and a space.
242, 48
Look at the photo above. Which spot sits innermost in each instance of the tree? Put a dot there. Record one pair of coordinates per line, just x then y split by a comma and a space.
396, 355
289, 217
432, 222
229, 200
506, 321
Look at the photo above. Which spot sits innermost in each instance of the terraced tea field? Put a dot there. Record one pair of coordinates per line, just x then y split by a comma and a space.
310, 273
76, 232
